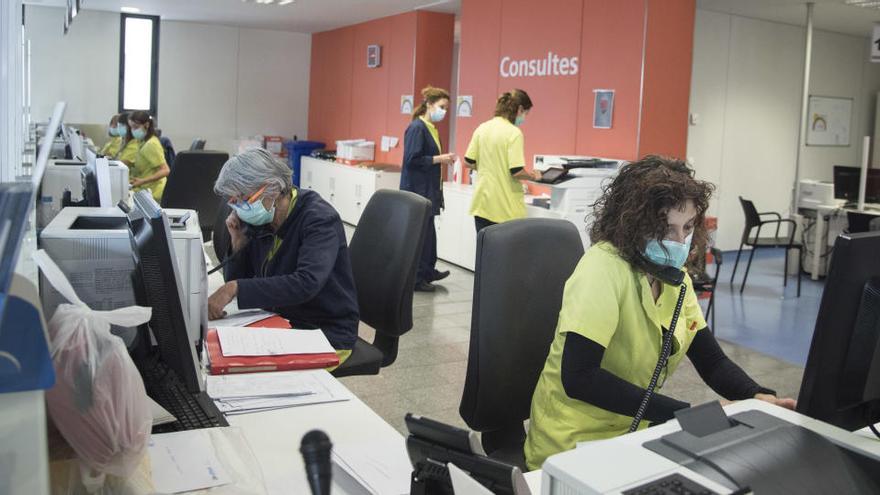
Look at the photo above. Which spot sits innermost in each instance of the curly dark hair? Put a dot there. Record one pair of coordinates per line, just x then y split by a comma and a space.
633, 207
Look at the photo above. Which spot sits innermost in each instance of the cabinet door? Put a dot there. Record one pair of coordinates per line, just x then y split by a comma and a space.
307, 174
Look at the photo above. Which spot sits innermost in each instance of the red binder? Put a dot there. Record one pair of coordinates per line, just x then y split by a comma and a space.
222, 365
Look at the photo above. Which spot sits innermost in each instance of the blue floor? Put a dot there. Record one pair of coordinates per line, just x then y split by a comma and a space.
766, 317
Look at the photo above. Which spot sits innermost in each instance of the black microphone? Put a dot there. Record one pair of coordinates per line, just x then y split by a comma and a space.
315, 449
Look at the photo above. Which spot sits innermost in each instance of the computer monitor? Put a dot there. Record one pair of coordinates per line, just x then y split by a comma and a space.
846, 184
841, 383
157, 285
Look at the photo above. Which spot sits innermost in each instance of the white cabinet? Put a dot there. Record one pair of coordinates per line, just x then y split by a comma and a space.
456, 233
348, 188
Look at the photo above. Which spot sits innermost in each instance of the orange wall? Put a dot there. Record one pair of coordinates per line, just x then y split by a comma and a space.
609, 39
348, 100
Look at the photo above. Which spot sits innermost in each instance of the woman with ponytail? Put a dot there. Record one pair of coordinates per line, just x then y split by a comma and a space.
421, 174
149, 169
497, 153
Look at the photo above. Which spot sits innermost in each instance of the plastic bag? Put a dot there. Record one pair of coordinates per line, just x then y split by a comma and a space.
98, 403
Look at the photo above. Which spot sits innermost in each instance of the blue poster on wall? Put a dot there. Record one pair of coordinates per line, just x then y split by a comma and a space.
603, 108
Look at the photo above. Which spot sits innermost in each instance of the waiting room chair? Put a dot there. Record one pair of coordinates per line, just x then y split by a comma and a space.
521, 270
385, 252
754, 222
197, 145
191, 185
704, 284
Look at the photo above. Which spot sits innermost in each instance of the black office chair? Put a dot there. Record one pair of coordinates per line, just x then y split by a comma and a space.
521, 270
198, 144
220, 234
754, 222
191, 185
703, 283
384, 254
859, 222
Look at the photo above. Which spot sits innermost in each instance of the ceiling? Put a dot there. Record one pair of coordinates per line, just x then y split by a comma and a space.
828, 15
304, 16
310, 16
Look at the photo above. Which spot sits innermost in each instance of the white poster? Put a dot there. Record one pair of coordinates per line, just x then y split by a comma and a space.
828, 121
875, 44
464, 106
603, 108
406, 104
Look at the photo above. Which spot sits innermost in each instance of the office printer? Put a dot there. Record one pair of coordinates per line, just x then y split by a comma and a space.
759, 448
64, 175
92, 247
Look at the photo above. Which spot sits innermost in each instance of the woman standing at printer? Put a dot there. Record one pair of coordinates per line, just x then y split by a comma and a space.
149, 169
616, 308
496, 152
421, 174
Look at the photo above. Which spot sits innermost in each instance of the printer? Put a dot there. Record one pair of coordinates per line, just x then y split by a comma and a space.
572, 197
93, 249
759, 448
814, 193
64, 175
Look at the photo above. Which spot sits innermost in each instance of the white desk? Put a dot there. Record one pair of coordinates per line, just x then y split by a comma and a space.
821, 236
274, 437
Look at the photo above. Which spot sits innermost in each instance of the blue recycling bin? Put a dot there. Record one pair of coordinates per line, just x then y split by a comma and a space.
295, 151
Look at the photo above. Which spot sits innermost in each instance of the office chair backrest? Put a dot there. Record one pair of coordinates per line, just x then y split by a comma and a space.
197, 144
219, 234
752, 217
858, 222
521, 270
191, 184
384, 254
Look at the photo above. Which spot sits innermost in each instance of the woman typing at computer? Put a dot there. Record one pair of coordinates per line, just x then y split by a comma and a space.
289, 252
616, 308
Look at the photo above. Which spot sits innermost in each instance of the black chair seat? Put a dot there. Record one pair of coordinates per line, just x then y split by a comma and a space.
773, 242
364, 360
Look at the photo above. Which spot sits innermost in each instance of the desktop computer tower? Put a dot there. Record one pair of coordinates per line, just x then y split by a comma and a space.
64, 175
93, 249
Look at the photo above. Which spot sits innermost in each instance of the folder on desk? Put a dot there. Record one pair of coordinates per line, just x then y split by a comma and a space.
221, 365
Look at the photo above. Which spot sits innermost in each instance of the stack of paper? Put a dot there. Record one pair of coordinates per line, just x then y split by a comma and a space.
254, 341
240, 318
185, 461
379, 469
240, 394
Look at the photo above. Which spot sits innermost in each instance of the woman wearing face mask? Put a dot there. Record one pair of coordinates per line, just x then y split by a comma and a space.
115, 143
149, 169
615, 311
496, 152
128, 148
422, 169
288, 251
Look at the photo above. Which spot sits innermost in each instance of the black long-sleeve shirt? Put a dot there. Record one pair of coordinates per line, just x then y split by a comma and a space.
584, 379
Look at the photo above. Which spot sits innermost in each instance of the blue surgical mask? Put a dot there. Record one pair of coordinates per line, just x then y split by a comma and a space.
254, 213
139, 134
112, 131
520, 120
437, 115
675, 255
121, 130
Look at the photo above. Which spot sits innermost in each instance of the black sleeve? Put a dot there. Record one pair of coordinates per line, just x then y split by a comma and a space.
719, 372
584, 379
414, 153
515, 170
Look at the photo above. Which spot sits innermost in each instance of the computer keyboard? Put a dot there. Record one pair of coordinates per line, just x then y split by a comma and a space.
192, 410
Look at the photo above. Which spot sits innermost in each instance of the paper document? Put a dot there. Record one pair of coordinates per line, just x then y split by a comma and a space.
463, 484
241, 318
184, 461
160, 414
378, 469
252, 392
254, 341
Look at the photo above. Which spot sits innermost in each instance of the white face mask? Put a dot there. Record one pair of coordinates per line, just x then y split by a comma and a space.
438, 114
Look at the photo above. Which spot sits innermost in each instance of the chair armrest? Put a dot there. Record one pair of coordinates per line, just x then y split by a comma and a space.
777, 215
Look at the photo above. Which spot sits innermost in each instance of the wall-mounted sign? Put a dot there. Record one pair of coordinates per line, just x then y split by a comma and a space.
374, 56
549, 66
875, 44
828, 121
464, 106
406, 104
603, 108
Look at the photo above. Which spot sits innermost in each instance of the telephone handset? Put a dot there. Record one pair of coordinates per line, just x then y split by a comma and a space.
671, 276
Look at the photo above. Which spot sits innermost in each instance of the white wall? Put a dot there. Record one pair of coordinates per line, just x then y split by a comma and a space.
745, 89
216, 82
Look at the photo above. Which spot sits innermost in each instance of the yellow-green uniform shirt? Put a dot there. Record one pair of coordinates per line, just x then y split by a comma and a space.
129, 152
112, 147
497, 147
608, 302
433, 130
149, 160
